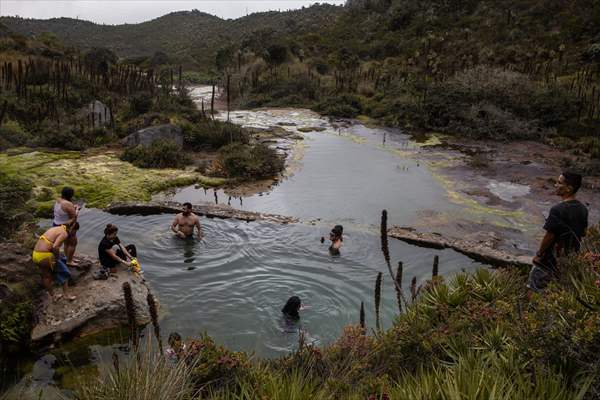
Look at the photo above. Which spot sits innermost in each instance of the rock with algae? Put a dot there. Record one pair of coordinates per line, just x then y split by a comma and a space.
98, 178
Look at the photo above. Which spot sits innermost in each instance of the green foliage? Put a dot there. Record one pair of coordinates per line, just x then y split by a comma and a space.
100, 58
160, 154
276, 54
14, 193
493, 103
147, 375
213, 366
345, 106
239, 160
13, 134
212, 134
15, 322
139, 104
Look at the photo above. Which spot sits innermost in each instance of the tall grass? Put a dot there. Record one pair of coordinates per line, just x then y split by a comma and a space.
146, 375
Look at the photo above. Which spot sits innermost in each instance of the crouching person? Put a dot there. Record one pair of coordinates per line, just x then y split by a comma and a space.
111, 253
46, 255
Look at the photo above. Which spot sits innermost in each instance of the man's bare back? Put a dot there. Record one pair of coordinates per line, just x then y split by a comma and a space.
184, 223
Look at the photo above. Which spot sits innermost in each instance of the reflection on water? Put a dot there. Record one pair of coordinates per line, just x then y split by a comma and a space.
344, 179
234, 282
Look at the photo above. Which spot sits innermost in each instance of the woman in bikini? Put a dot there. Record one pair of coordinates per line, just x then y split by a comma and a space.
46, 255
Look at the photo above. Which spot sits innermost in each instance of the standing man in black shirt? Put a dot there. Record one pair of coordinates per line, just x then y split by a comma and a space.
565, 226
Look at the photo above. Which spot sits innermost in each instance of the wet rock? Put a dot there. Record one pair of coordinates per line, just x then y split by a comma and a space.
145, 137
97, 114
312, 129
99, 305
208, 210
479, 246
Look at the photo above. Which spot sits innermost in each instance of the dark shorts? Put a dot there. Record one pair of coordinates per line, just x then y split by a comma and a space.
538, 278
110, 263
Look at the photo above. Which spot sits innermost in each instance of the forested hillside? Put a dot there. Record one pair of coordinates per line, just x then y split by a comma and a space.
481, 69
190, 38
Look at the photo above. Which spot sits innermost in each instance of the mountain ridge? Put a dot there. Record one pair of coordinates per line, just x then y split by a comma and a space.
190, 37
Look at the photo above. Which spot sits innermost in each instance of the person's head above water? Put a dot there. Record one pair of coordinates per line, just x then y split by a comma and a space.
292, 306
111, 231
67, 193
187, 208
336, 232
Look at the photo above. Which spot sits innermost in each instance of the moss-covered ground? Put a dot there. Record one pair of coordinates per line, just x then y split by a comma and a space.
98, 178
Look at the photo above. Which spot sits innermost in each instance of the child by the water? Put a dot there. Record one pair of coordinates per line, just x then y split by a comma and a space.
177, 348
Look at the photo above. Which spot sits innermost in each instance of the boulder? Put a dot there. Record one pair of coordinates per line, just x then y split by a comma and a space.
99, 306
96, 114
147, 136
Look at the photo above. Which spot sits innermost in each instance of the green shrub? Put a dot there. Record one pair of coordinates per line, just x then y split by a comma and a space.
344, 106
214, 366
15, 323
245, 161
13, 134
14, 193
140, 104
160, 154
208, 134
498, 104
68, 138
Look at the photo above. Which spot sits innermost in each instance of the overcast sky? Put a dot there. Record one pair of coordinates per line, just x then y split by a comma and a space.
133, 11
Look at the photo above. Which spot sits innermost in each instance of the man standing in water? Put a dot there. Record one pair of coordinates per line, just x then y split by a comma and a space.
565, 226
185, 221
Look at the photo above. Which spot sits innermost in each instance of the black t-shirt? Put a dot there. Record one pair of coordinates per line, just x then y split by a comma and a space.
105, 259
568, 221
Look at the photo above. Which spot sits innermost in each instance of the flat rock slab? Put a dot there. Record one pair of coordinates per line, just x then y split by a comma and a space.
478, 247
207, 210
99, 306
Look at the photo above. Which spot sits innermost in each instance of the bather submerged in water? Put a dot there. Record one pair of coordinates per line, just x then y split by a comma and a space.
336, 240
291, 315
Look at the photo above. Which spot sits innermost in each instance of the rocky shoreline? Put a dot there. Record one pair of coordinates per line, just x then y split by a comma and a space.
100, 305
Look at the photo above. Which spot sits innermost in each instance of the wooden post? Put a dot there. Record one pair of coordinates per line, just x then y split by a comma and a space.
228, 97
212, 103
